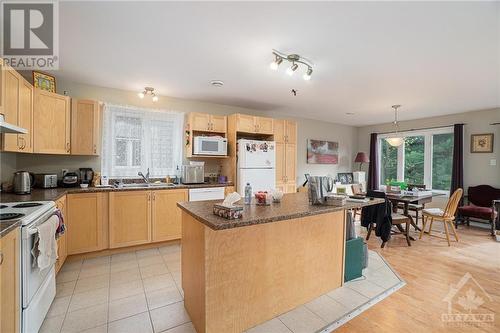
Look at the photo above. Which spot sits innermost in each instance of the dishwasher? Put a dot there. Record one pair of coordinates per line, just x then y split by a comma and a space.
206, 193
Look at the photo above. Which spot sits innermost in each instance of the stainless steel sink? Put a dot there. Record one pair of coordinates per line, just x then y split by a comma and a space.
147, 185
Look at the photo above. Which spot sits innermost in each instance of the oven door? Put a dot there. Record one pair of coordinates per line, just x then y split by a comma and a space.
32, 277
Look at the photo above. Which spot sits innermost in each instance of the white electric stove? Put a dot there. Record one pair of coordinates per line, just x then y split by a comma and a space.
38, 287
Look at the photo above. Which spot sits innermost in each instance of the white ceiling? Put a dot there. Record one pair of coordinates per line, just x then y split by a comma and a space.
434, 58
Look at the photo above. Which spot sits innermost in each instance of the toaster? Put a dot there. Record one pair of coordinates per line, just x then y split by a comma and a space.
46, 180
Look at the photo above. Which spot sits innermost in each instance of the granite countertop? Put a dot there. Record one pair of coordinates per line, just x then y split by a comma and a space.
56, 193
7, 226
294, 205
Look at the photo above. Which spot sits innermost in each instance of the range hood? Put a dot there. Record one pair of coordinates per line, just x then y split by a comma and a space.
9, 128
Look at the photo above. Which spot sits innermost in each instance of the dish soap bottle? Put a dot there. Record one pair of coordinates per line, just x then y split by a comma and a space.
248, 194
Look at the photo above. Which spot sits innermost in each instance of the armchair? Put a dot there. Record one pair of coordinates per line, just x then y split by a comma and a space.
480, 204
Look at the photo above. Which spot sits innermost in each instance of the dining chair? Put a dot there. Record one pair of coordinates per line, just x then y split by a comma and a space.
357, 189
417, 208
447, 216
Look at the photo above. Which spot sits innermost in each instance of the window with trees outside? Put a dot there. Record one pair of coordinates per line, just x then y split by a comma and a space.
424, 158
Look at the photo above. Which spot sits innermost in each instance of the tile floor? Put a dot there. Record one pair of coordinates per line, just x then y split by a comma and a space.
141, 292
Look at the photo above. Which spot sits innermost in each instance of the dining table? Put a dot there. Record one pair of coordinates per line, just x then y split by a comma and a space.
406, 200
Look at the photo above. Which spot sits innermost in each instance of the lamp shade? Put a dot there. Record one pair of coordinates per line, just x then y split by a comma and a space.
362, 157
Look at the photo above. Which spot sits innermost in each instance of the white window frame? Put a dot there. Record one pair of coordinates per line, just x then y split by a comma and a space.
148, 117
428, 147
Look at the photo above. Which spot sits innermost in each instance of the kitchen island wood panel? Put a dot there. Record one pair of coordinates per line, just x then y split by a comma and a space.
234, 279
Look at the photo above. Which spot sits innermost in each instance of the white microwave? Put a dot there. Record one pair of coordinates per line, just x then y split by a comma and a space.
209, 145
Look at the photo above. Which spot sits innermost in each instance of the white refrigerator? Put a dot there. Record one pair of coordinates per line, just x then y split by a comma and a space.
256, 165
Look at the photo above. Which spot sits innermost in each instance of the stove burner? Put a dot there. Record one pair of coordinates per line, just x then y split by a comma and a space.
3, 206
10, 216
27, 204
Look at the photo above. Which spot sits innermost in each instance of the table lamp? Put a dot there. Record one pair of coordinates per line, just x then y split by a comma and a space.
361, 158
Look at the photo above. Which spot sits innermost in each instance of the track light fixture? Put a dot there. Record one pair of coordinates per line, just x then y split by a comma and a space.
295, 60
148, 91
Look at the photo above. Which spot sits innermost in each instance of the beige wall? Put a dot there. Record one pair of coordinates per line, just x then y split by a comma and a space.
307, 129
477, 169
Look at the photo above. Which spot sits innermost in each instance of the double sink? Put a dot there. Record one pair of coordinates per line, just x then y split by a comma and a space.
147, 185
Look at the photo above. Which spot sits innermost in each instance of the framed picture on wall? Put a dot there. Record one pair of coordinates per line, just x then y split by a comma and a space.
322, 152
44, 81
481, 143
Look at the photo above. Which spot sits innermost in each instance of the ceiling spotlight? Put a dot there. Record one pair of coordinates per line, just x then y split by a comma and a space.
307, 75
295, 60
292, 69
274, 65
148, 91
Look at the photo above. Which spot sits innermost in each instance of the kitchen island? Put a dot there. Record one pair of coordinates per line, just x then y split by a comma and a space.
239, 273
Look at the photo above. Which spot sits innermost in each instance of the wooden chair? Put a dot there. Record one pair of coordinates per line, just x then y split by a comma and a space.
447, 216
414, 207
357, 189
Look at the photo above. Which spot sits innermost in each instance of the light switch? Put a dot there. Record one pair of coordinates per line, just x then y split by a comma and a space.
493, 162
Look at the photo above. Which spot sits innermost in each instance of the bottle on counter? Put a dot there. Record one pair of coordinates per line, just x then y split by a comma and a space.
248, 194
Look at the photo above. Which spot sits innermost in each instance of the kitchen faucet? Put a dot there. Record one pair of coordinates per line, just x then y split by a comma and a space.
146, 178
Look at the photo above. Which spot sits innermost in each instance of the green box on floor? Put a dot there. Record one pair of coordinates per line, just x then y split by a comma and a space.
353, 259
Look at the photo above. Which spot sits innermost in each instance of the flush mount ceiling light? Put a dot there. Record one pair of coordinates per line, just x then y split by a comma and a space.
217, 83
295, 61
148, 91
395, 140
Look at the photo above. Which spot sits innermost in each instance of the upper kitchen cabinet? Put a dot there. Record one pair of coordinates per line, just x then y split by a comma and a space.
252, 124
204, 122
285, 131
85, 127
17, 106
51, 123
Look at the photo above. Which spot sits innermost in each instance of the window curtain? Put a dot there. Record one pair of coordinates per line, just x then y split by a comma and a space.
457, 172
373, 167
135, 139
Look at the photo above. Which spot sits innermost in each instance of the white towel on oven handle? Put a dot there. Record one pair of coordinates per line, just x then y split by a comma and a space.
47, 245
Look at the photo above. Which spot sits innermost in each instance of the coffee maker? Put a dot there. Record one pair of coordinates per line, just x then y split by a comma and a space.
86, 175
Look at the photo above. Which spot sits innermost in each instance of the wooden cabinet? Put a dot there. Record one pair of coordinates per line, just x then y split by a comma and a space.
228, 190
25, 141
285, 135
264, 125
10, 282
252, 124
166, 215
285, 131
205, 122
17, 107
85, 127
85, 222
129, 218
62, 251
51, 123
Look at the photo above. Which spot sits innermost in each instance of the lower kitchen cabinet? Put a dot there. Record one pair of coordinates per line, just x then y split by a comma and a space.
86, 222
62, 251
166, 214
129, 218
9, 282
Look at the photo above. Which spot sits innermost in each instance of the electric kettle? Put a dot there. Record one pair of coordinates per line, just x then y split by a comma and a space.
23, 182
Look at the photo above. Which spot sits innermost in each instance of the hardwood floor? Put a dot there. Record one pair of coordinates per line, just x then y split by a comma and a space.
429, 267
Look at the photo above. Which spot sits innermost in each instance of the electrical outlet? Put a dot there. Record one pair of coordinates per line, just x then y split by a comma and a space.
493, 162
64, 171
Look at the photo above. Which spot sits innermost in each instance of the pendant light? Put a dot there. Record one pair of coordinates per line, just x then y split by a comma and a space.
395, 140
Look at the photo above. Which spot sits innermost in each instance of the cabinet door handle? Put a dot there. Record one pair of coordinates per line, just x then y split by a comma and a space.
95, 149
1, 258
67, 147
154, 196
24, 142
